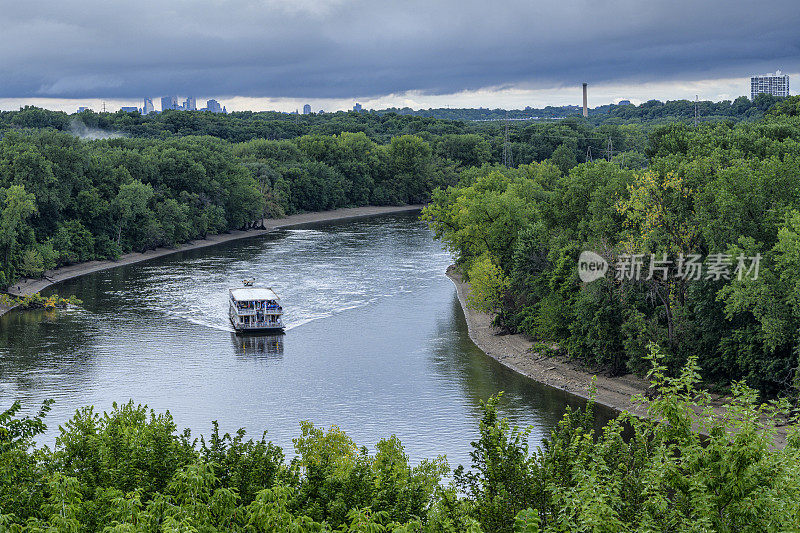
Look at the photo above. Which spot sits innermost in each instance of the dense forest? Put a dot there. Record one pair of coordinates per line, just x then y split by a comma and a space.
129, 470
94, 186
720, 195
65, 200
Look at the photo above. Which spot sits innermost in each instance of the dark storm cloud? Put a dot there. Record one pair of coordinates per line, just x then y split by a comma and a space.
345, 48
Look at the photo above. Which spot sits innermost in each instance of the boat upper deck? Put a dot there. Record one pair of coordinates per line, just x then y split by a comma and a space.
253, 294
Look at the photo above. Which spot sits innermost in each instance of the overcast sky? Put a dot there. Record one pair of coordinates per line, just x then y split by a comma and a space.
279, 54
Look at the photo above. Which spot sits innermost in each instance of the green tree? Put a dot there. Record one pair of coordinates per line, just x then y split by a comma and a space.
17, 206
564, 158
488, 285
131, 203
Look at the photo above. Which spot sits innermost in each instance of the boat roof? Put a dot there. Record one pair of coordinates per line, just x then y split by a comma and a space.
253, 293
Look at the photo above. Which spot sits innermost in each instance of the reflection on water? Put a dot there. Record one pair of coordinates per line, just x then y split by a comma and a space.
458, 360
375, 343
248, 344
37, 344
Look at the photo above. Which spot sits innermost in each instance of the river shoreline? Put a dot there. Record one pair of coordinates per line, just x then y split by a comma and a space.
518, 353
27, 287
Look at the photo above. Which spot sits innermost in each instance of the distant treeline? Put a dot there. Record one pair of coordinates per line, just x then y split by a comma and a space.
467, 143
724, 193
379, 125
234, 127
652, 111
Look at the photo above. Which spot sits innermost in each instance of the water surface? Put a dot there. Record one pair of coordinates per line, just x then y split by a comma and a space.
376, 343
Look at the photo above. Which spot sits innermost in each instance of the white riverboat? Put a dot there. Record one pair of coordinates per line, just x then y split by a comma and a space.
255, 309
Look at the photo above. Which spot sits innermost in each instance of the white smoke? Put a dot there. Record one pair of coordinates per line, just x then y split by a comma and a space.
81, 130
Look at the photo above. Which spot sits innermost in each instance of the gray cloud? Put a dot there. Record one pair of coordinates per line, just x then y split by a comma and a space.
347, 48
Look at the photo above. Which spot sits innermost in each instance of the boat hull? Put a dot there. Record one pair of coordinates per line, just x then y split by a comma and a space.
240, 328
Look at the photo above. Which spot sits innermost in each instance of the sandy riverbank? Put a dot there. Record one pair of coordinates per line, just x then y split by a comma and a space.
30, 286
517, 352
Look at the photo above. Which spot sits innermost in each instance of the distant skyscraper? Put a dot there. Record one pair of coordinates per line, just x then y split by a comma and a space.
148, 106
190, 104
129, 109
357, 107
307, 109
213, 106
169, 102
81, 109
775, 84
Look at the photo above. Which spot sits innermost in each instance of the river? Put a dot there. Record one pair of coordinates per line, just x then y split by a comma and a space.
376, 343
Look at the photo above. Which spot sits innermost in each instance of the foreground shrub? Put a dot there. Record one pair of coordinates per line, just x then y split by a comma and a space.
687, 467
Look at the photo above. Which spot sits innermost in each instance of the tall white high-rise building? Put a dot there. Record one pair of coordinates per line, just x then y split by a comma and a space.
307, 109
190, 104
775, 84
148, 106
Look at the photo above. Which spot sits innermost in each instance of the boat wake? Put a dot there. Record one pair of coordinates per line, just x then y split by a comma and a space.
318, 274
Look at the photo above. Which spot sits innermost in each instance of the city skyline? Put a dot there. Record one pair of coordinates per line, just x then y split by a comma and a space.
167, 103
707, 90
328, 53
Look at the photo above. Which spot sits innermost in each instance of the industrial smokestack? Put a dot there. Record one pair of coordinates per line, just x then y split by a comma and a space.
585, 102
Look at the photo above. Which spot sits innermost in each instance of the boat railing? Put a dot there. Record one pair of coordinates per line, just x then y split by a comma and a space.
252, 311
257, 325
